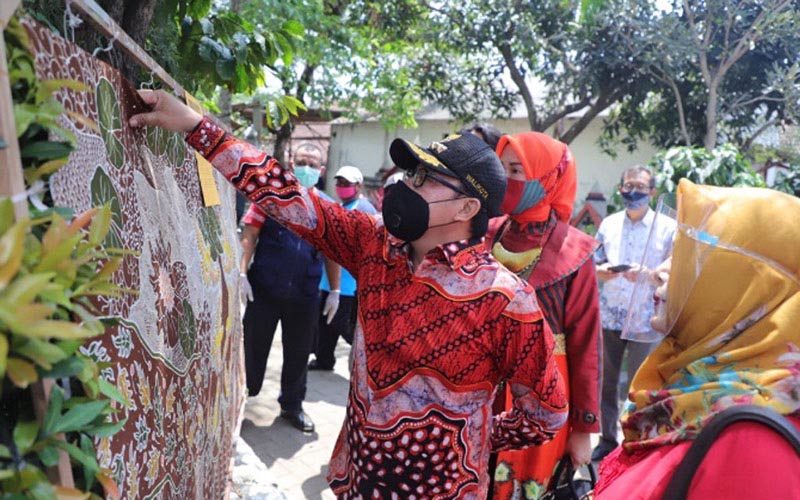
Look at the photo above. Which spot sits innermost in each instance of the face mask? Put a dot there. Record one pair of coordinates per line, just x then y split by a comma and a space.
635, 200
521, 195
306, 175
345, 192
406, 213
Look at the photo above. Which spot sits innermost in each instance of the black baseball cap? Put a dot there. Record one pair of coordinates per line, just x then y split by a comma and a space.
461, 156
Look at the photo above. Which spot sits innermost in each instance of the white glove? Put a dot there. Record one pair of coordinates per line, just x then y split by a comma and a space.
245, 290
331, 306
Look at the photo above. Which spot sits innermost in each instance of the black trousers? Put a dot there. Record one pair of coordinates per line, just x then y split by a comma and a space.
298, 319
343, 325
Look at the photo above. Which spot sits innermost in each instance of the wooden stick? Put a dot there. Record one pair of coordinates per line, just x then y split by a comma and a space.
7, 9
11, 180
105, 25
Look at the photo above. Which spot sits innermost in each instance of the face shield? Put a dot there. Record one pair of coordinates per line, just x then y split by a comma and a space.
651, 275
668, 280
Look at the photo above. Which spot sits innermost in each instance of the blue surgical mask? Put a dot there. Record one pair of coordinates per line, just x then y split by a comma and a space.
635, 200
308, 176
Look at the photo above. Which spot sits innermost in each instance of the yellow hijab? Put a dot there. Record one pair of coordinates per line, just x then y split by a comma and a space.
737, 338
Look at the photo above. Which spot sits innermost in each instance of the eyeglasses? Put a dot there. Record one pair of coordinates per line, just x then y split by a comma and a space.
420, 174
636, 186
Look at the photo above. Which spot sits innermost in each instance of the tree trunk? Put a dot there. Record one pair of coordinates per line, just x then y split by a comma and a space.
282, 138
136, 21
711, 118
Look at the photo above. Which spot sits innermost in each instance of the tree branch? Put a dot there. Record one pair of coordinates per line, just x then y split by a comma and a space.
554, 117
519, 80
669, 81
603, 101
747, 144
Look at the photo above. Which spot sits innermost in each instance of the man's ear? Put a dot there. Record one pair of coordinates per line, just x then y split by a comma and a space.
321, 170
469, 209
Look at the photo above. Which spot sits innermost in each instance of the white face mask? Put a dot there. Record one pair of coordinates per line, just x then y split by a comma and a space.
307, 175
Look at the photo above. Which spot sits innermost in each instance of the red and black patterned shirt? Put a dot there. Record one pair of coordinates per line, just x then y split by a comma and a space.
431, 345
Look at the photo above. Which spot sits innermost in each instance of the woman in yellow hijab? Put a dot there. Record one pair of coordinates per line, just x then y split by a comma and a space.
731, 317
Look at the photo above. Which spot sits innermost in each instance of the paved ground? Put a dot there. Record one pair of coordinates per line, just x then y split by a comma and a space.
297, 463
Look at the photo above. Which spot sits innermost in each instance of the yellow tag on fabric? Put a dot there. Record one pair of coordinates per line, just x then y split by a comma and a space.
204, 169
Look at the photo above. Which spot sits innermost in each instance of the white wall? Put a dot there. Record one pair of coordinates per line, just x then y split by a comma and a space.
366, 145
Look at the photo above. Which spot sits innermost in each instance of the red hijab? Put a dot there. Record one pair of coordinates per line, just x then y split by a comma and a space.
551, 162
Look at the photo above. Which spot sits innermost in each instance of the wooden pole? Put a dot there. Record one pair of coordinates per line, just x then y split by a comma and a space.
11, 180
12, 183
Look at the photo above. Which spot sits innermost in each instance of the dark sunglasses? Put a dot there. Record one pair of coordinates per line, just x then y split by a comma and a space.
420, 174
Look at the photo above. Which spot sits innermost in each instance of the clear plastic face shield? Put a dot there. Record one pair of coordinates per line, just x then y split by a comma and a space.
666, 281
648, 318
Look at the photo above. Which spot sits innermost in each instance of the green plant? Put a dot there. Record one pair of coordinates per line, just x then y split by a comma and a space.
51, 270
724, 166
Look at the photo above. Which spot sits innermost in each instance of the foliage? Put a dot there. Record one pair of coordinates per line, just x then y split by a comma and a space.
724, 166
348, 60
50, 271
789, 182
722, 71
556, 57
232, 51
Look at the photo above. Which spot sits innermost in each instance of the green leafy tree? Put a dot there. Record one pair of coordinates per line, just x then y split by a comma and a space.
724, 71
557, 57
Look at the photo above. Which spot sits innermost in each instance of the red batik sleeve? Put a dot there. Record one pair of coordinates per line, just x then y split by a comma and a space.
337, 232
539, 406
582, 331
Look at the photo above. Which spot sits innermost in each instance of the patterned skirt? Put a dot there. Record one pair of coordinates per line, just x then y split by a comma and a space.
525, 474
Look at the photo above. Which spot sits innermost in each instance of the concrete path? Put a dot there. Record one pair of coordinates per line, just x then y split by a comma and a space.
298, 462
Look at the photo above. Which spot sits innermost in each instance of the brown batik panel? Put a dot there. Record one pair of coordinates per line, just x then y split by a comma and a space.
176, 355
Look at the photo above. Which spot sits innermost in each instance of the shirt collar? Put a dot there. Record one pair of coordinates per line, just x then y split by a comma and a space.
458, 254
647, 220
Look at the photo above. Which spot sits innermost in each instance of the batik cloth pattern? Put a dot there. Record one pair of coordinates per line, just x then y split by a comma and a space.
430, 346
176, 354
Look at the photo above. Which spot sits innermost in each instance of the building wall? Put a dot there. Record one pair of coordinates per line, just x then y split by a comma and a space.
366, 145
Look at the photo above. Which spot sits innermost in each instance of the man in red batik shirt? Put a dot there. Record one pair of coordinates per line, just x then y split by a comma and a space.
440, 324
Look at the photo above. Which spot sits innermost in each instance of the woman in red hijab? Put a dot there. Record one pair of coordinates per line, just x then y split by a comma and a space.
536, 242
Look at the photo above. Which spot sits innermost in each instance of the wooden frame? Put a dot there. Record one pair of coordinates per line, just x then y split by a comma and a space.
12, 184
11, 180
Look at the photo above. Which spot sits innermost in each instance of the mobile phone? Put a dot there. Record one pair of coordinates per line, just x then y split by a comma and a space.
620, 268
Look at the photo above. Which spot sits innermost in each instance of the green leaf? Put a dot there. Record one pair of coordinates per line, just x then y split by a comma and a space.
49, 456
66, 368
44, 354
45, 150
88, 460
106, 430
79, 416
110, 121
24, 289
25, 433
91, 470
294, 28
53, 412
110, 391
4, 451
187, 329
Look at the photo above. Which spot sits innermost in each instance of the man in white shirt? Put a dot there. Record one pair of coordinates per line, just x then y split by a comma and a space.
623, 237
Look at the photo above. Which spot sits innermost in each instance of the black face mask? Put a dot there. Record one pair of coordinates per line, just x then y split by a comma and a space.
405, 212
